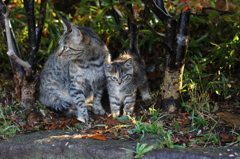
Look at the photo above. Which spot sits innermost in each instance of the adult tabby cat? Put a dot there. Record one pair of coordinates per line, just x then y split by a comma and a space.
125, 75
74, 73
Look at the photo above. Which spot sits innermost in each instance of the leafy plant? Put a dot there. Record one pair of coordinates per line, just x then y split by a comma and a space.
141, 149
155, 126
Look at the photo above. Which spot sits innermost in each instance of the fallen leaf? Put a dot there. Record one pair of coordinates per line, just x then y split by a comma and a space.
93, 131
232, 120
226, 138
35, 117
96, 136
113, 122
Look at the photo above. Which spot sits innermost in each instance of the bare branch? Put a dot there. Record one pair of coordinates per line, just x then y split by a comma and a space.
129, 14
117, 20
24, 64
133, 30
182, 37
11, 52
160, 3
32, 52
159, 11
170, 25
41, 22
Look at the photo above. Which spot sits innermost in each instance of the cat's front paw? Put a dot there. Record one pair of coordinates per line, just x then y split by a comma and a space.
98, 111
83, 118
82, 115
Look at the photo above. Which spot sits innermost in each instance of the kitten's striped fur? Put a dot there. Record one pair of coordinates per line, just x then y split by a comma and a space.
125, 75
74, 73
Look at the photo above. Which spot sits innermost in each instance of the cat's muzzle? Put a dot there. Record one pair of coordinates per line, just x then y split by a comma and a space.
60, 51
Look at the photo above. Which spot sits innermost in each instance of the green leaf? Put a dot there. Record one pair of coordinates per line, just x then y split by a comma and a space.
145, 31
201, 38
176, 124
205, 75
149, 148
100, 125
213, 14
123, 119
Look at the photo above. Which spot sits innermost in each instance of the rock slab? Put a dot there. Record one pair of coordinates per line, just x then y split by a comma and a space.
65, 145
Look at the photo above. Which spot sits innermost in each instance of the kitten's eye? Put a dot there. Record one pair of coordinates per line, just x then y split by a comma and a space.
114, 78
125, 77
64, 47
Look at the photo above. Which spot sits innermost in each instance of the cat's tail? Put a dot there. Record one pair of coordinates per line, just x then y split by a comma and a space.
59, 107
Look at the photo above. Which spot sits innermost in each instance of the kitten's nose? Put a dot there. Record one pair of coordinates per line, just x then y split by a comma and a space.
119, 82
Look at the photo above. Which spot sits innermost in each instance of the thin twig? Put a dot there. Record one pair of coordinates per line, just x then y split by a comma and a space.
211, 8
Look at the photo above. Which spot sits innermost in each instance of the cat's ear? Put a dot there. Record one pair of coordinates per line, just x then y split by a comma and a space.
128, 63
108, 66
86, 37
80, 35
66, 25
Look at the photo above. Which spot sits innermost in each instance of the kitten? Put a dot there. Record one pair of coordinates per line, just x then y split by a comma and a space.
125, 75
74, 73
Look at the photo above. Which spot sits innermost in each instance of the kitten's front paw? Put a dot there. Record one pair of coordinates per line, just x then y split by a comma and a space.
99, 111
125, 113
115, 113
146, 97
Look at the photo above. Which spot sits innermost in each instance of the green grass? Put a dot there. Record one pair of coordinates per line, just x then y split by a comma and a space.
7, 126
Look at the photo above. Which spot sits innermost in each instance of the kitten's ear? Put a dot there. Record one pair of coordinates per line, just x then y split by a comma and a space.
108, 66
66, 24
128, 63
80, 35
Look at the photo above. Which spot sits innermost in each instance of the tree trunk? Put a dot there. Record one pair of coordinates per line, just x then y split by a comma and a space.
171, 87
24, 71
176, 43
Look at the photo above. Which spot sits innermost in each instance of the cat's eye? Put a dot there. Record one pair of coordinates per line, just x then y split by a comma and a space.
124, 77
114, 78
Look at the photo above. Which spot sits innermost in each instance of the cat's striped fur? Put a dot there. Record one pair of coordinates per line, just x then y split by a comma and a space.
74, 73
125, 75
